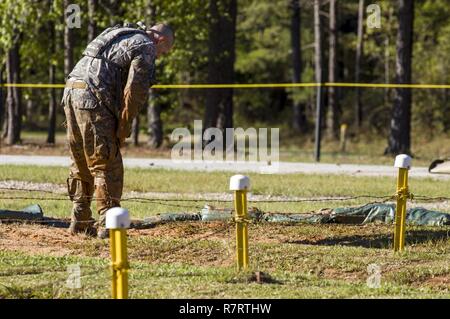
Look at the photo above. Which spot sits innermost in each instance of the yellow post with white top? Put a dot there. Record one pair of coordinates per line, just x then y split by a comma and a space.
240, 184
403, 163
117, 221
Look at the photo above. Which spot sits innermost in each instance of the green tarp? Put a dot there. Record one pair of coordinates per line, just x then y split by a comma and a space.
370, 213
422, 216
209, 213
149, 222
385, 213
297, 218
28, 213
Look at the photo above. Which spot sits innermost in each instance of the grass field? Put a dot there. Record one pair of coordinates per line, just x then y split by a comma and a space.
196, 259
326, 261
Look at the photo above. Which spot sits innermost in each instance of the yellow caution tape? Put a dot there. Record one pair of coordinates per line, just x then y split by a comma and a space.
390, 86
233, 86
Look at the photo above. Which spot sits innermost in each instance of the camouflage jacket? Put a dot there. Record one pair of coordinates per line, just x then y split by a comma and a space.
120, 77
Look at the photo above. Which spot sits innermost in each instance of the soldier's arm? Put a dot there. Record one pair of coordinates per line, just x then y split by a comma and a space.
136, 92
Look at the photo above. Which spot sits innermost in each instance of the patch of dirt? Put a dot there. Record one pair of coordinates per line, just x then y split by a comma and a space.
37, 239
282, 233
260, 232
217, 239
332, 273
208, 243
202, 243
191, 230
441, 282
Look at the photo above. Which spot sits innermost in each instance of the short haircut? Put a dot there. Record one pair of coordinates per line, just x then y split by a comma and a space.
165, 30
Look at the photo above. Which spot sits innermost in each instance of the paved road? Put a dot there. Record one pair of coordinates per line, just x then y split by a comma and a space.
237, 167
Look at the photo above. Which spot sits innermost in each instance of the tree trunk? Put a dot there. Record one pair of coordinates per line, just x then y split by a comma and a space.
387, 75
359, 54
150, 13
135, 131
399, 138
387, 57
4, 115
333, 104
13, 94
30, 111
155, 127
154, 122
5, 120
92, 22
446, 111
299, 117
2, 106
115, 12
68, 45
318, 59
221, 57
51, 76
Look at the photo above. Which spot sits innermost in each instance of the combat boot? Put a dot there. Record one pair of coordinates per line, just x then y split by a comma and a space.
80, 193
83, 227
102, 231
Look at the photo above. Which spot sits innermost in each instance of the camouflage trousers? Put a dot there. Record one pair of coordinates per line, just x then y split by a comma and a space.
96, 170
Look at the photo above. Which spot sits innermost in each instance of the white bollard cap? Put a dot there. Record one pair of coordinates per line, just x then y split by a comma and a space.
239, 183
117, 218
403, 161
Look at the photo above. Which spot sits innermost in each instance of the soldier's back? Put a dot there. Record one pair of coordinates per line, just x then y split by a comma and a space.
106, 74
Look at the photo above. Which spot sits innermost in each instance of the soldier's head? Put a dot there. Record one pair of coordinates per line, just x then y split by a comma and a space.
163, 36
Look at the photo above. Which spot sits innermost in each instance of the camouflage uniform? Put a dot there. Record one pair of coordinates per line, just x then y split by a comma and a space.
103, 94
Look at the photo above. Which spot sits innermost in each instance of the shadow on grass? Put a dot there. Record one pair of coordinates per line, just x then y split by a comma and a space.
379, 241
